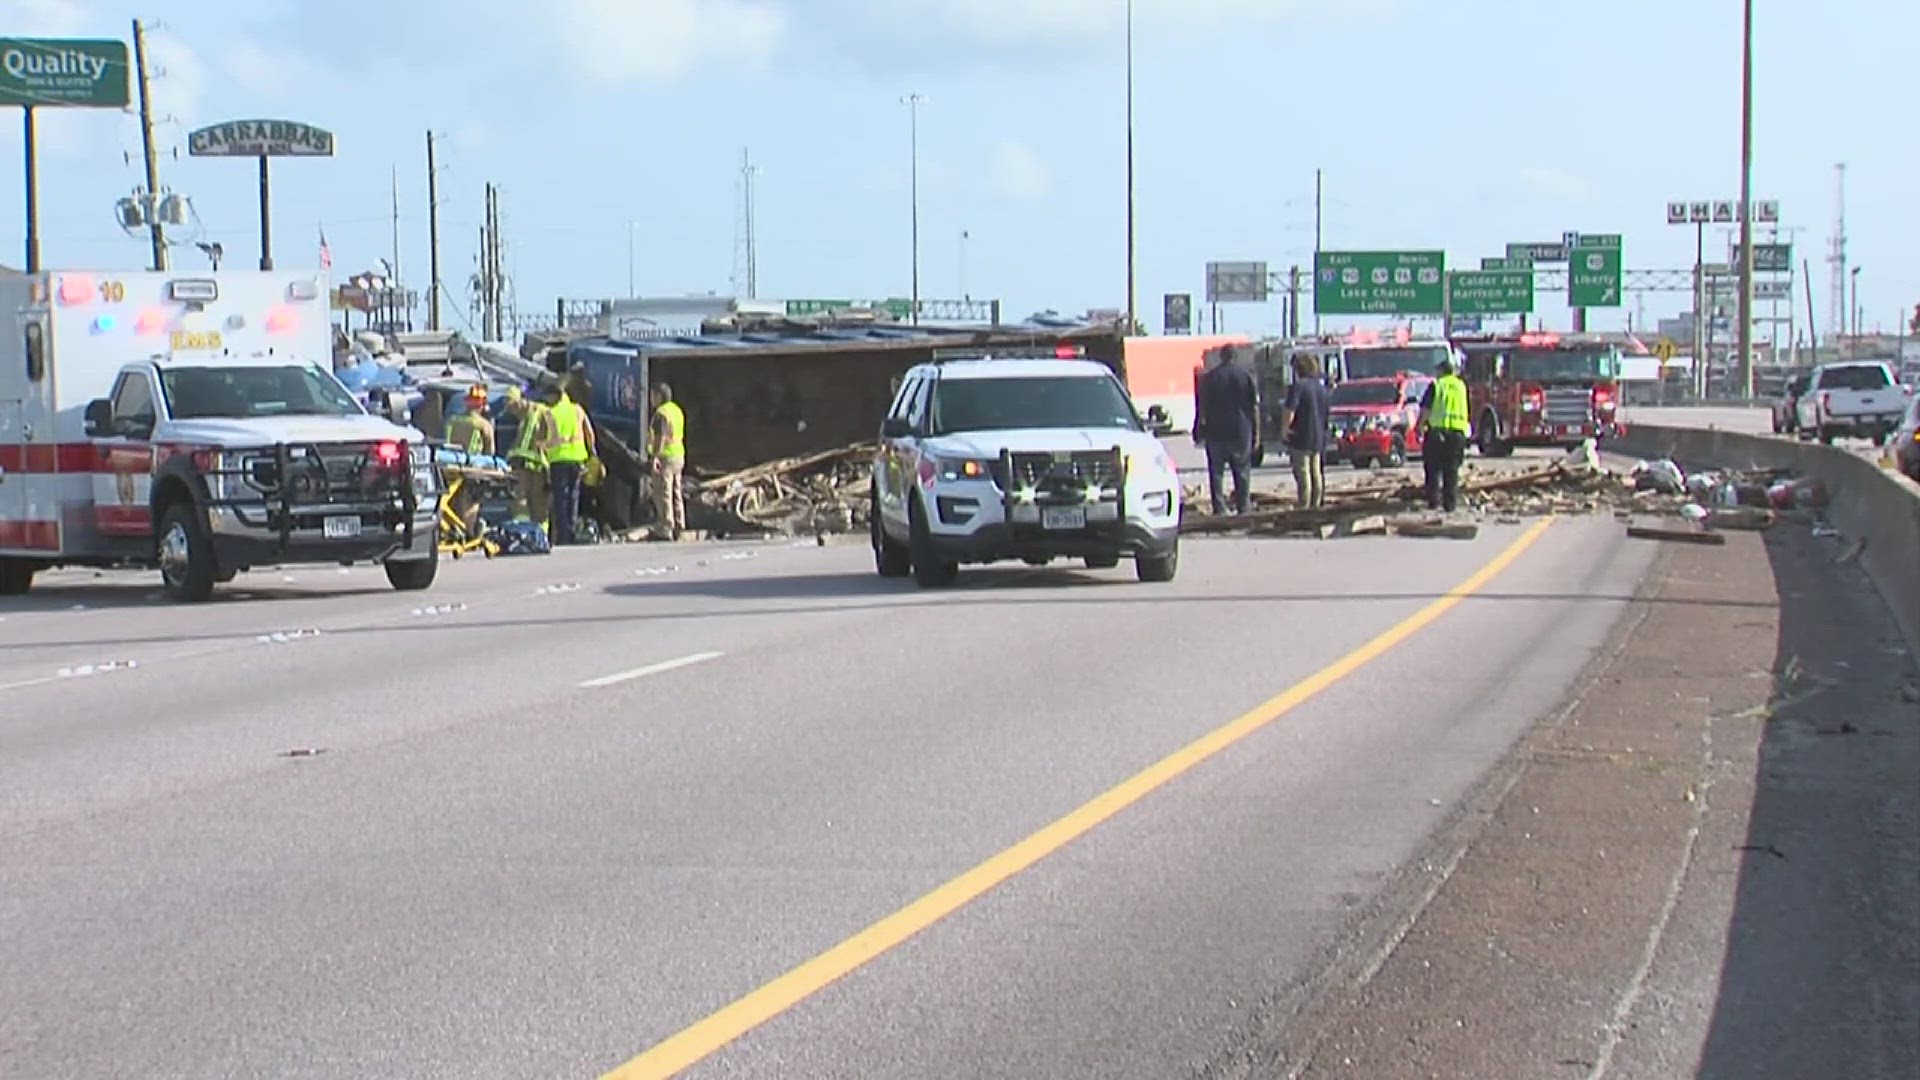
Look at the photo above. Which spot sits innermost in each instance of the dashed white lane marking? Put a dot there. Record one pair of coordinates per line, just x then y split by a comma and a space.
650, 669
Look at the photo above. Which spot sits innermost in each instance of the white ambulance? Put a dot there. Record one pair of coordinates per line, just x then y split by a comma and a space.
192, 423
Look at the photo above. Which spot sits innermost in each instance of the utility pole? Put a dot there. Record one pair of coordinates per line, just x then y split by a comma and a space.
1745, 336
1317, 221
433, 239
1837, 254
146, 143
1293, 302
1132, 263
746, 272
396, 223
913, 103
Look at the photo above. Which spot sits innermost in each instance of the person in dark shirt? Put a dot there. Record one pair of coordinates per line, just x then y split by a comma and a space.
1228, 425
1304, 419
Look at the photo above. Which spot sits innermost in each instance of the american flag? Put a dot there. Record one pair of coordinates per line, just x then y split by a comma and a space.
326, 253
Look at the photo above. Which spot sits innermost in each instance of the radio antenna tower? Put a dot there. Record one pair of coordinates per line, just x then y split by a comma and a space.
1837, 254
746, 270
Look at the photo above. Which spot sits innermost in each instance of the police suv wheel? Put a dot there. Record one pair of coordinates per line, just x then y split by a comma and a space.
185, 554
891, 559
1158, 569
929, 570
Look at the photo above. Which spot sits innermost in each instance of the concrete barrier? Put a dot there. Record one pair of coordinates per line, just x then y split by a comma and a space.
1869, 502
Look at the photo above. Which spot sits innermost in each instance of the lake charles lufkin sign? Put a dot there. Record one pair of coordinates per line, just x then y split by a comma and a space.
260, 138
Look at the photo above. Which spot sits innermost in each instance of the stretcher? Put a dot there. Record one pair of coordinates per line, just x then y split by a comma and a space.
470, 486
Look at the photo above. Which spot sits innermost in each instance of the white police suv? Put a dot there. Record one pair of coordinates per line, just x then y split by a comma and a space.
989, 457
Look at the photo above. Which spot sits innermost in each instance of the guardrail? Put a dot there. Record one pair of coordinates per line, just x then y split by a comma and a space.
1869, 503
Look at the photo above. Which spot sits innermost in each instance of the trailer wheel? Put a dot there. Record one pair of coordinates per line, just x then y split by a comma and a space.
185, 553
16, 576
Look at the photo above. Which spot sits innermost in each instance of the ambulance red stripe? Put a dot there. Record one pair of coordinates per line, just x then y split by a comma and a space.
72, 459
123, 520
30, 535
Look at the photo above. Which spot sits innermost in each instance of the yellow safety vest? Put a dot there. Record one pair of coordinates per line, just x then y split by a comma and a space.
468, 432
569, 445
1449, 411
675, 443
525, 448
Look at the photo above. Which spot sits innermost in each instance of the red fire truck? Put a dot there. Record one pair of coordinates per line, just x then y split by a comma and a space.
1542, 389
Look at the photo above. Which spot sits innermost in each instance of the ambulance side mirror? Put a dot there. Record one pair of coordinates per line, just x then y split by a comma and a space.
99, 418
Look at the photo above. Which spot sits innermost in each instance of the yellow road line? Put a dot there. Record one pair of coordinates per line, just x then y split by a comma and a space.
693, 1044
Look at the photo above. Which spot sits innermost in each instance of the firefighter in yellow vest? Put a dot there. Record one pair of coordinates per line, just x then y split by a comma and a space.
1446, 430
472, 430
569, 445
532, 497
667, 448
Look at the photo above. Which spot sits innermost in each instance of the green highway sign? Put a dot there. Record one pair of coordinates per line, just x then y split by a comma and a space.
1495, 292
1595, 241
1768, 258
1538, 253
800, 309
1379, 282
63, 73
1498, 263
1594, 274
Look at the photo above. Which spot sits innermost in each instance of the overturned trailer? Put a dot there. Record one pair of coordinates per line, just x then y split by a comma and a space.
751, 398
763, 396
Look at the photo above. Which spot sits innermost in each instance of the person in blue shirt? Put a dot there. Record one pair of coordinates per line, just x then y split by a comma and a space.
1303, 419
1227, 424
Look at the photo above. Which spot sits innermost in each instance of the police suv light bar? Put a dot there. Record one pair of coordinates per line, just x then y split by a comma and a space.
1050, 352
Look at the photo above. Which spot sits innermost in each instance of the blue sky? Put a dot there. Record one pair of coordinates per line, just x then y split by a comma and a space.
1458, 125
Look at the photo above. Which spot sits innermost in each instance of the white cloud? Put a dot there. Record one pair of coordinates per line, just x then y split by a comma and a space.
264, 71
42, 18
1550, 184
1015, 171
1019, 24
620, 40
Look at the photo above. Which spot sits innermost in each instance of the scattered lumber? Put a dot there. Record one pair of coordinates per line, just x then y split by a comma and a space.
1677, 535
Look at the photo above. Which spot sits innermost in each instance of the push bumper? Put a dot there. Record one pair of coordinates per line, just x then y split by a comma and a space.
244, 537
999, 541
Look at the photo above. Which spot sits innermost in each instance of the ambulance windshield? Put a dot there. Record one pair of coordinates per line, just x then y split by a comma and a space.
238, 393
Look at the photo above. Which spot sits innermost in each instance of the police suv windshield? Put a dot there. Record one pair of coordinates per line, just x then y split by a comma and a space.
1011, 404
242, 393
1365, 393
1562, 365
1380, 363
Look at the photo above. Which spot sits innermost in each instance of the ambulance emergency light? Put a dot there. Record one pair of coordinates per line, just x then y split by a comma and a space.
193, 290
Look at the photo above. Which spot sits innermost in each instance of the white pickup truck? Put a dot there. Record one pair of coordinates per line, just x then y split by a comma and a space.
1860, 398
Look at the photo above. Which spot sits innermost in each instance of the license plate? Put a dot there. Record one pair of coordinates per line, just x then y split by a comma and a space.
341, 528
1063, 517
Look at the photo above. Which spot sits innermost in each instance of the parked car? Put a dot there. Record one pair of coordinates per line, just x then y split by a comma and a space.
1786, 420
1906, 447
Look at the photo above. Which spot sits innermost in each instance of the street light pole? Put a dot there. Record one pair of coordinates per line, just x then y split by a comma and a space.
913, 102
1746, 204
1854, 277
1132, 265
630, 285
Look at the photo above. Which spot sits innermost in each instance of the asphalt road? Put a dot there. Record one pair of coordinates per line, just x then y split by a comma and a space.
565, 808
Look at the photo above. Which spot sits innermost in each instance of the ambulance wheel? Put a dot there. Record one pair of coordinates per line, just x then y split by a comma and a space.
187, 570
413, 575
16, 576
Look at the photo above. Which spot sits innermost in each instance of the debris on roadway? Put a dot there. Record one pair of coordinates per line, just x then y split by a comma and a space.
817, 494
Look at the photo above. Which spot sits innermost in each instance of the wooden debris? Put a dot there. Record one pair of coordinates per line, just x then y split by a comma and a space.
819, 493
1739, 517
1435, 530
1371, 525
1678, 535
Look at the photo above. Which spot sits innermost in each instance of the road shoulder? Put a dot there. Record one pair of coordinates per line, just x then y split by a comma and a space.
1705, 863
